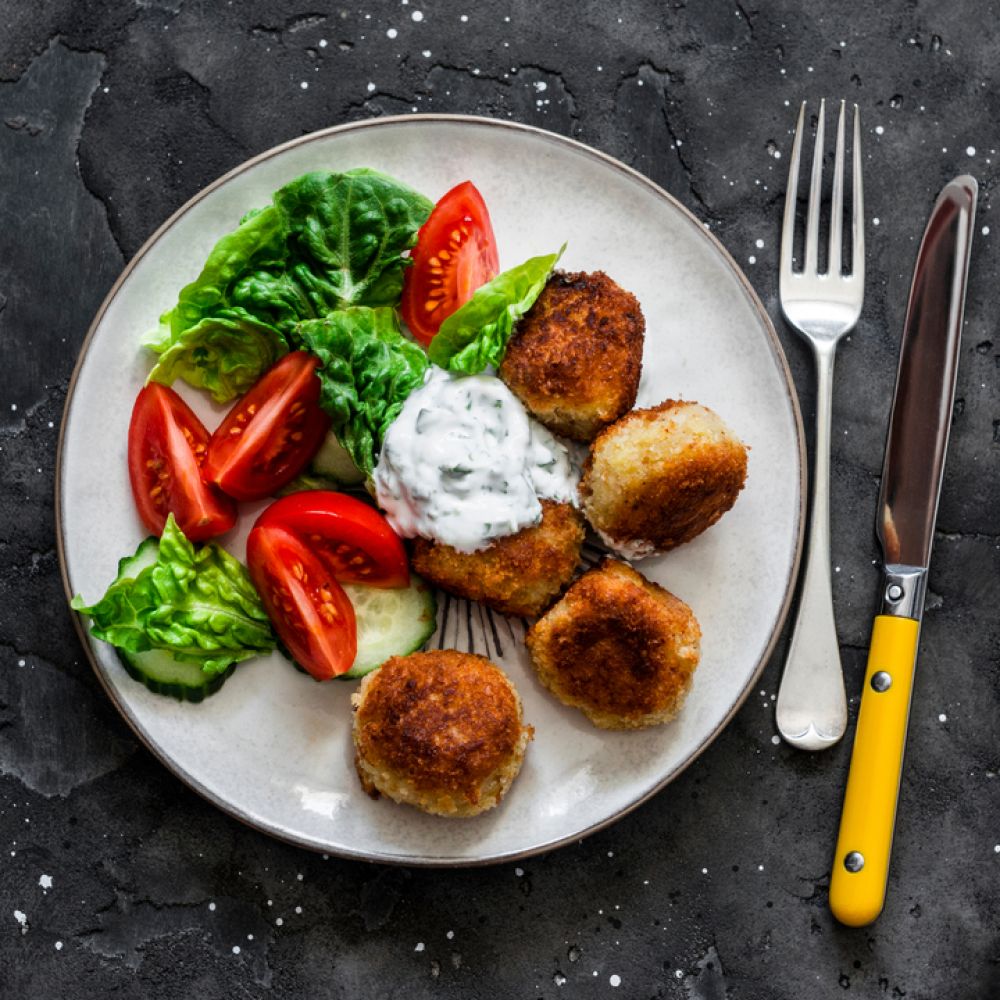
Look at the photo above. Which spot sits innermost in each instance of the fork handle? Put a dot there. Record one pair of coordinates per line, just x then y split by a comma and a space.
812, 705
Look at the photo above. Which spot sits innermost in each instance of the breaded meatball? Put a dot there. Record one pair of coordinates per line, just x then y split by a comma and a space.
660, 476
618, 647
519, 574
441, 731
575, 358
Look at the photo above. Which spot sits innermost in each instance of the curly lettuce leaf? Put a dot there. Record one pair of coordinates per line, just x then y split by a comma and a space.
475, 336
328, 241
223, 354
198, 604
369, 369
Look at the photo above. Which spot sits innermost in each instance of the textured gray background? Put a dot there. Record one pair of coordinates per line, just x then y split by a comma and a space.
111, 116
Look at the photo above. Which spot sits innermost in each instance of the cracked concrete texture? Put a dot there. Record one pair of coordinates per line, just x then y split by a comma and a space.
111, 116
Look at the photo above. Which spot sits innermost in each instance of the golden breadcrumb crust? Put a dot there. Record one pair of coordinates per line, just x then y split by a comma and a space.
440, 730
618, 647
519, 574
576, 356
660, 476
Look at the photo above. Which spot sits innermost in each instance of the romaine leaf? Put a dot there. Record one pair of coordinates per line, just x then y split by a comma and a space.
476, 334
327, 242
369, 368
198, 604
224, 354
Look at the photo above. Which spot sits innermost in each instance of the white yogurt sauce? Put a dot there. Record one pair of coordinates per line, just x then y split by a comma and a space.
463, 463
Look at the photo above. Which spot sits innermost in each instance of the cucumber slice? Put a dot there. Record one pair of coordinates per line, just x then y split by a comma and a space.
333, 462
162, 674
390, 622
131, 566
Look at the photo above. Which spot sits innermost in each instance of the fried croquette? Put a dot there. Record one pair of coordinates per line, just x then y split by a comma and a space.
576, 356
618, 647
660, 476
441, 731
519, 574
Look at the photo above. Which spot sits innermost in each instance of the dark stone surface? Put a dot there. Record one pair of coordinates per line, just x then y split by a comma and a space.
111, 116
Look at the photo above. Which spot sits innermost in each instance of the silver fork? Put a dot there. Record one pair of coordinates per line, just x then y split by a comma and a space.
812, 707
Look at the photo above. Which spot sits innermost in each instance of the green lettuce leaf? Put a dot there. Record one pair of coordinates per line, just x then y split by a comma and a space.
224, 354
369, 368
328, 241
198, 604
476, 334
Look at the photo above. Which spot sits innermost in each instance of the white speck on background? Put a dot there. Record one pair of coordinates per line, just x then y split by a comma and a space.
615, 980
211, 906
775, 740
541, 85
942, 717
391, 33
450, 935
875, 221
22, 919
371, 87
679, 973
611, 854
986, 230
944, 149
996, 848
236, 949
304, 84
518, 872
278, 921
752, 259
759, 244
559, 979
322, 43
464, 18
419, 946
426, 53
13, 407
879, 130
760, 868
59, 945
45, 881
417, 15
970, 150
298, 910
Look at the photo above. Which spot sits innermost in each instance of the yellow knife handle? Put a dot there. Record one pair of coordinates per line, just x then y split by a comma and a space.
861, 862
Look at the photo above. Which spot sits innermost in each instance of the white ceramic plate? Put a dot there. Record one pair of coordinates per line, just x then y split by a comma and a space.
273, 748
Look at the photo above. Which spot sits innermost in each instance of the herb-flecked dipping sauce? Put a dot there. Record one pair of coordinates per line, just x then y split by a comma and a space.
463, 463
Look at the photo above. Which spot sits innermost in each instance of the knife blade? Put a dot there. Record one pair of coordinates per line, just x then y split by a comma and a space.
912, 474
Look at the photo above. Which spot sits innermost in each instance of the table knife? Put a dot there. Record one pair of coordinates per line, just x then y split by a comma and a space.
907, 509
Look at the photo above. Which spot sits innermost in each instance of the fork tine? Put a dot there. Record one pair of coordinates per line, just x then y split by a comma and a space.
815, 190
834, 265
791, 196
858, 206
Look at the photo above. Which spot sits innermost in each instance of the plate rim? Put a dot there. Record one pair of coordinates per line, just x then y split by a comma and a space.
287, 836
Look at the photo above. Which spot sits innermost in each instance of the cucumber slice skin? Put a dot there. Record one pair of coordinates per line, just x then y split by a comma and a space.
187, 683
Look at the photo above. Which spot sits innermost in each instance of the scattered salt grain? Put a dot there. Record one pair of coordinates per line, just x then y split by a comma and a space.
419, 946
59, 945
970, 150
417, 15
942, 717
45, 881
775, 740
236, 949
879, 130
615, 980
22, 919
391, 33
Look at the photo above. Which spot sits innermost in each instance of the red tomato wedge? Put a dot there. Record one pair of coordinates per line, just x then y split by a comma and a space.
167, 446
270, 435
354, 541
308, 608
456, 252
